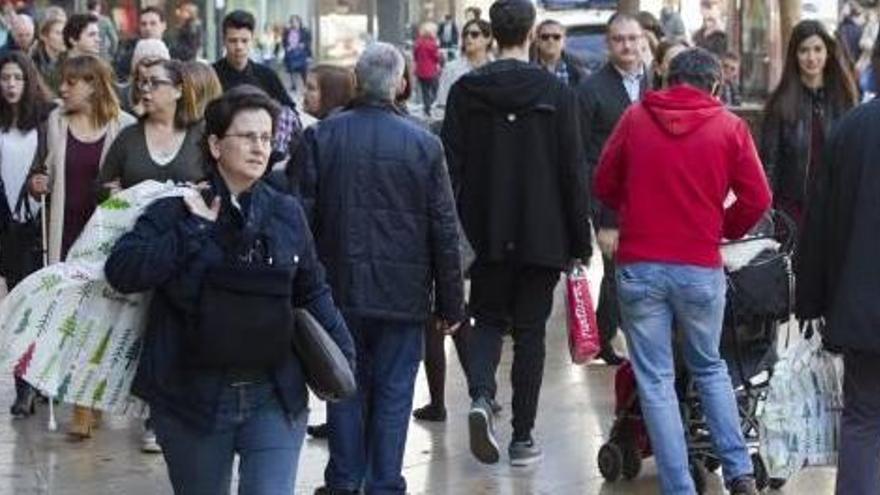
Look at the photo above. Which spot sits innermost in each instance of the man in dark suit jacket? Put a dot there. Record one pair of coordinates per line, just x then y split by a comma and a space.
604, 97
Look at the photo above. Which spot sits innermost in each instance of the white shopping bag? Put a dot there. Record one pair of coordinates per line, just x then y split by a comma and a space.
800, 423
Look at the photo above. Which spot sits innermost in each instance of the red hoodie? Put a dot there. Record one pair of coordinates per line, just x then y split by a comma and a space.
667, 169
426, 54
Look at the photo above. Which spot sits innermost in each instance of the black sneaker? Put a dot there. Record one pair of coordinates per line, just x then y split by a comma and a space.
320, 432
482, 433
524, 453
744, 485
431, 412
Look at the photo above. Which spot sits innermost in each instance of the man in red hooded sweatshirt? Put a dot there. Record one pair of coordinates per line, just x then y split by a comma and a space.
667, 169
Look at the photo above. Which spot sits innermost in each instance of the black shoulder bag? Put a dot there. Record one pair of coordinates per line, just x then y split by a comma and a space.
20, 243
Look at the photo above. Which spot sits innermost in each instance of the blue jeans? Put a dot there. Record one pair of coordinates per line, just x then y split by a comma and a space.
250, 422
368, 432
651, 295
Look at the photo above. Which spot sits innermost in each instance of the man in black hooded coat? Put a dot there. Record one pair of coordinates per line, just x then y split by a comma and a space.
514, 150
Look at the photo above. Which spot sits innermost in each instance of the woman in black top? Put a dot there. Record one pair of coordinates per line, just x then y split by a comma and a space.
816, 89
165, 144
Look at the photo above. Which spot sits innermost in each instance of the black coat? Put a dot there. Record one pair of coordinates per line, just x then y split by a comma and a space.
785, 147
512, 142
380, 203
603, 99
170, 250
837, 267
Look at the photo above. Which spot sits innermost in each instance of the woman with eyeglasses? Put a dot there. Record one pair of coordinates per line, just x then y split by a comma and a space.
223, 379
815, 91
24, 106
78, 137
166, 143
476, 49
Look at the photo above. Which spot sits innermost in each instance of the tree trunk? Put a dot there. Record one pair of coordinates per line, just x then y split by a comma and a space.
630, 7
391, 21
790, 15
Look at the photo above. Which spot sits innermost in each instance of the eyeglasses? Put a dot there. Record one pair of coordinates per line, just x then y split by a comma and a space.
152, 83
474, 34
264, 140
621, 39
551, 36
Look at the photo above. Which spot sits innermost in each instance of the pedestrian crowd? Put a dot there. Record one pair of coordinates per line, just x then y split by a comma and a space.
373, 224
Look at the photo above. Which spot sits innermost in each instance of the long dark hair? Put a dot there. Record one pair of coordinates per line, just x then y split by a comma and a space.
35, 98
337, 87
839, 85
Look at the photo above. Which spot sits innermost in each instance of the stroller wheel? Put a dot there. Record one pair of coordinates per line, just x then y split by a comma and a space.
632, 462
712, 464
777, 483
762, 477
610, 462
699, 474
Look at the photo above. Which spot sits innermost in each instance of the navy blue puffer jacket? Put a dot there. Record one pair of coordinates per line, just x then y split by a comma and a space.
380, 203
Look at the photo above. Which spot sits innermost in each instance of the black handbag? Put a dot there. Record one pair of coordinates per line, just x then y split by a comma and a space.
327, 370
245, 317
21, 251
761, 289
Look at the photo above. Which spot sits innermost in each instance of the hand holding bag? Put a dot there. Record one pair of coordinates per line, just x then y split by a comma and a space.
328, 372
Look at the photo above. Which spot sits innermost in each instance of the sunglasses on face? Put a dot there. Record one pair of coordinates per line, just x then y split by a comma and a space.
474, 34
152, 83
551, 36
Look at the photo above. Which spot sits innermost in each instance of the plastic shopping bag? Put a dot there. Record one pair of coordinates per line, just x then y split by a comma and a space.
583, 331
800, 422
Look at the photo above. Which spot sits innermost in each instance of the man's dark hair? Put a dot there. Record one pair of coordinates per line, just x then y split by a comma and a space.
239, 19
732, 56
512, 20
92, 5
153, 10
621, 17
76, 24
696, 67
220, 113
549, 22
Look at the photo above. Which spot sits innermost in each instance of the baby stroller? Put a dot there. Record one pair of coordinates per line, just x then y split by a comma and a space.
759, 298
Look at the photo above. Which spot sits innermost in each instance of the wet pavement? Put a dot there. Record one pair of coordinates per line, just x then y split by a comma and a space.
575, 416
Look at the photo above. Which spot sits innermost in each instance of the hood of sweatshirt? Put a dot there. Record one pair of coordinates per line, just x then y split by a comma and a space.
509, 85
682, 109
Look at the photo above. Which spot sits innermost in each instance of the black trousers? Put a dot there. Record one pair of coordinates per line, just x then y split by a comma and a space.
858, 467
608, 310
519, 299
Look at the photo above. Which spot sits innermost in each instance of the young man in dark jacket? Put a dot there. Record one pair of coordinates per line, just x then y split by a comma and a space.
837, 273
604, 97
667, 170
551, 55
384, 221
513, 147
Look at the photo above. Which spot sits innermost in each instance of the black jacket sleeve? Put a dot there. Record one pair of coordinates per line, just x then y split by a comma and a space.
445, 243
576, 176
451, 134
771, 130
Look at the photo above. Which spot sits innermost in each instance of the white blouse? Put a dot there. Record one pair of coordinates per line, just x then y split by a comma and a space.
17, 151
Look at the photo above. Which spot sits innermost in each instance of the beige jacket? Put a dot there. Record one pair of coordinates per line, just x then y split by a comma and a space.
55, 166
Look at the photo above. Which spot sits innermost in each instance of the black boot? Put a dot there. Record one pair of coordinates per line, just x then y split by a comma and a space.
25, 399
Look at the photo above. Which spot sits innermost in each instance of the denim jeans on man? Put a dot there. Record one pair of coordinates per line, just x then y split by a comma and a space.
250, 423
368, 432
651, 296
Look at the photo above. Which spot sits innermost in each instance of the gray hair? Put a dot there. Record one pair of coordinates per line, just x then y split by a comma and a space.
379, 71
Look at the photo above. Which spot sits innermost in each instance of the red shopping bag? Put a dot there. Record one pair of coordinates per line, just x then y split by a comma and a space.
583, 331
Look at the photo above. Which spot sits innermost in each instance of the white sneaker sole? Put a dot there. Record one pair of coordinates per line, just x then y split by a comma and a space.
527, 462
483, 443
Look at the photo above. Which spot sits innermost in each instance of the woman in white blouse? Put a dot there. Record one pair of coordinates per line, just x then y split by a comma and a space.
24, 105
476, 43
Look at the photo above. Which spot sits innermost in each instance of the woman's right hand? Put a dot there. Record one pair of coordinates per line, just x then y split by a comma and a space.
197, 206
38, 185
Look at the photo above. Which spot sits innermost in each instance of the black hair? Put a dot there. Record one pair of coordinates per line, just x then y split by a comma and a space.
92, 4
239, 19
697, 67
76, 24
35, 99
512, 20
220, 113
481, 24
153, 10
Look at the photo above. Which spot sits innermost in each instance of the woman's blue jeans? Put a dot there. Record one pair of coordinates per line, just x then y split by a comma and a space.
251, 423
